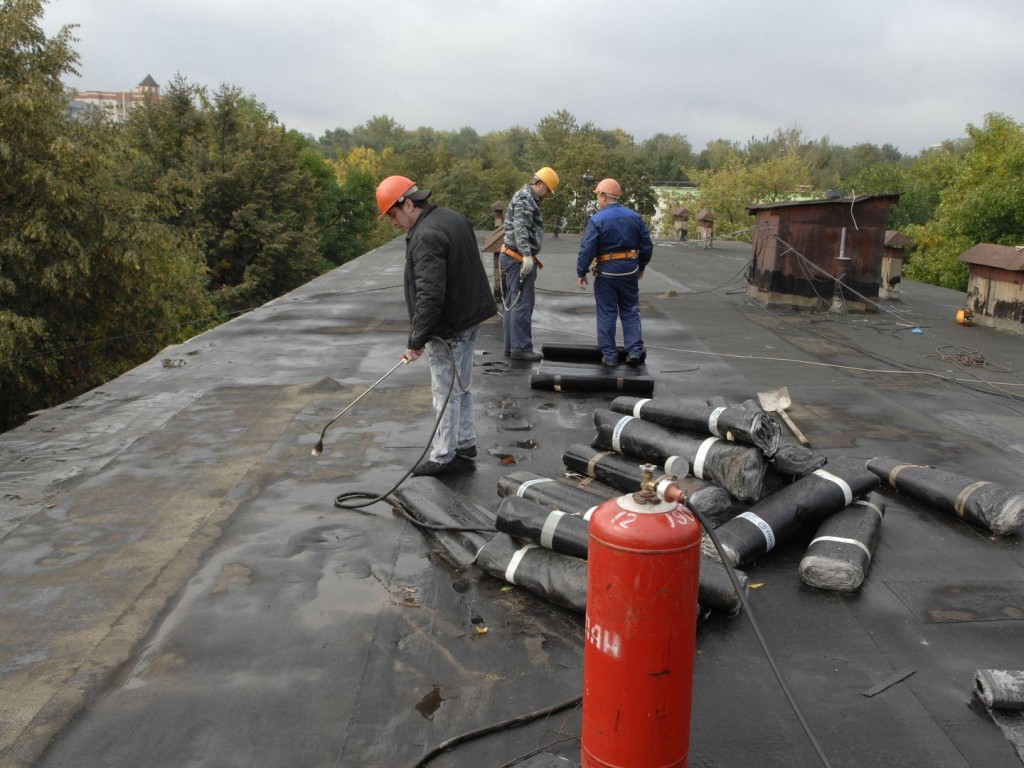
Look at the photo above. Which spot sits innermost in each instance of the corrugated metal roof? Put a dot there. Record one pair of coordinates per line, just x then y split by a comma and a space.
836, 201
1008, 257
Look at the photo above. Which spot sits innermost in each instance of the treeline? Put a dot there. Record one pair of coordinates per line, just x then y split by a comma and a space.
962, 192
119, 239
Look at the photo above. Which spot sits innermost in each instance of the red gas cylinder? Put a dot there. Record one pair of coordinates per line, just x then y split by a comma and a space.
641, 629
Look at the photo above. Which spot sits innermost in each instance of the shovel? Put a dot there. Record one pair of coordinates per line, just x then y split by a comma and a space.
777, 401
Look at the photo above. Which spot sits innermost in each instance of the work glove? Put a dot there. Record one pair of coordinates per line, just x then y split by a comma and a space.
527, 266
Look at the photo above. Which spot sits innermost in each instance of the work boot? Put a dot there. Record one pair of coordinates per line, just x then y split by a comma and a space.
430, 468
529, 355
469, 452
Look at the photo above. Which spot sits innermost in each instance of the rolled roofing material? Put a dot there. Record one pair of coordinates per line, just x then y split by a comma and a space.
999, 509
570, 534
429, 501
1002, 692
551, 528
561, 579
548, 492
733, 423
591, 377
839, 556
739, 469
791, 459
623, 473
1000, 688
808, 500
577, 353
795, 460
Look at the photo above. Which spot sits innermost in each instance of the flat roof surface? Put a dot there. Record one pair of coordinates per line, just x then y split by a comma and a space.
178, 588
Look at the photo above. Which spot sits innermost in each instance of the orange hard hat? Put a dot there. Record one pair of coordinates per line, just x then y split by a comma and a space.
395, 190
610, 187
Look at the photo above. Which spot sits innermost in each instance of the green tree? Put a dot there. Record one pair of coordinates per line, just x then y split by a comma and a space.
665, 157
983, 203
92, 281
264, 213
729, 191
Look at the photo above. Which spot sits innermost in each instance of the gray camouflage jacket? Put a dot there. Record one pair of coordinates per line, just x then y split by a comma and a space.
524, 227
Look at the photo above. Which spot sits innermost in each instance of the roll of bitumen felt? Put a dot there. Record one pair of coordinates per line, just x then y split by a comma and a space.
980, 502
623, 473
550, 493
570, 535
1000, 688
429, 501
551, 528
733, 423
840, 554
791, 459
576, 353
809, 500
558, 376
795, 460
739, 469
560, 579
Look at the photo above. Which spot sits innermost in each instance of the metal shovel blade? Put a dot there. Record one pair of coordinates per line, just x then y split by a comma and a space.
777, 401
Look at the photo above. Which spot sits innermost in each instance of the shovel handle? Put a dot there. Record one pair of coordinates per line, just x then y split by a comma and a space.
793, 427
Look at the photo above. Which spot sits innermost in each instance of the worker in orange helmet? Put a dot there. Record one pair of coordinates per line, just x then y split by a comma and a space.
448, 296
616, 247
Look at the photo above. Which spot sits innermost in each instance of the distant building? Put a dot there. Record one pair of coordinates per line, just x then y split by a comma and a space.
803, 252
117, 104
995, 289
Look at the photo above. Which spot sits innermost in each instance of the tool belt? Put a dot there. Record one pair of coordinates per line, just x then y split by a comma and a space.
611, 257
617, 256
518, 256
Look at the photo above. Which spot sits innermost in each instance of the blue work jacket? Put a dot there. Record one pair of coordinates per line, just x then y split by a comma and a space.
614, 229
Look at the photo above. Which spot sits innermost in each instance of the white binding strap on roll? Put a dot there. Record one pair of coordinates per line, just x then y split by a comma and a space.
617, 432
702, 454
547, 533
843, 485
510, 572
640, 404
965, 494
840, 540
866, 503
589, 513
522, 488
766, 530
713, 422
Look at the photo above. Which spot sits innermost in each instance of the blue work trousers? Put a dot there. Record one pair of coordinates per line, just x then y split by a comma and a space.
457, 428
517, 317
618, 297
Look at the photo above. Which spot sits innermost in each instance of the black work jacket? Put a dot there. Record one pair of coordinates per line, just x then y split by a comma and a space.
446, 287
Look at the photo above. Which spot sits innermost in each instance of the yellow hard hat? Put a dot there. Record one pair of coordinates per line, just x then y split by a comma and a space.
549, 177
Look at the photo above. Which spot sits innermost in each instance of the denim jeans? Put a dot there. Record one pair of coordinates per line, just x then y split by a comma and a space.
517, 320
457, 428
618, 297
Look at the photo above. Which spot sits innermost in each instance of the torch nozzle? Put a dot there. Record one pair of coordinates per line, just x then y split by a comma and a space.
319, 447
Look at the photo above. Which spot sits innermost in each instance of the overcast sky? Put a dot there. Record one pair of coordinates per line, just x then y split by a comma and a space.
905, 72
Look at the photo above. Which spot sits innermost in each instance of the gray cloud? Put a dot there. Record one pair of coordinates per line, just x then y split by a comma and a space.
906, 72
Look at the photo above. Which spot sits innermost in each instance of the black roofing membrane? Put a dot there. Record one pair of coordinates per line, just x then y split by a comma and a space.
192, 596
